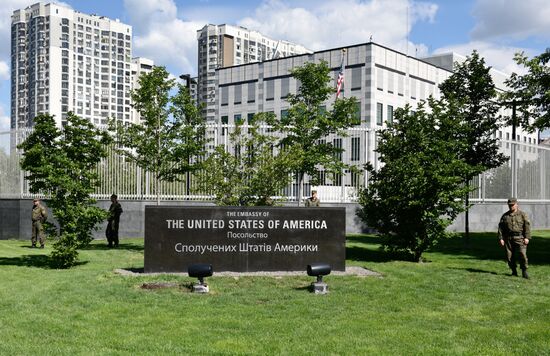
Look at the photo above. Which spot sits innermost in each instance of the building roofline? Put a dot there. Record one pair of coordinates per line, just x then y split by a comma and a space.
338, 48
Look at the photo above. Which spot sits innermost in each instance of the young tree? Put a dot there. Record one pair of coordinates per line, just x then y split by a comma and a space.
60, 163
416, 193
531, 91
471, 89
171, 137
307, 123
254, 173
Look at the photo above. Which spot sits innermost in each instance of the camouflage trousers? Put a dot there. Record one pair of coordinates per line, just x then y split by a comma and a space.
516, 249
37, 232
112, 233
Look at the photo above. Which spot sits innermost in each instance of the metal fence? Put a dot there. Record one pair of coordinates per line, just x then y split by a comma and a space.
524, 175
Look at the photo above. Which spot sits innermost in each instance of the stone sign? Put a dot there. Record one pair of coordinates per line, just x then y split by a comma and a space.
243, 239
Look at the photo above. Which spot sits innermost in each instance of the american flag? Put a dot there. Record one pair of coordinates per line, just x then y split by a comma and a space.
340, 80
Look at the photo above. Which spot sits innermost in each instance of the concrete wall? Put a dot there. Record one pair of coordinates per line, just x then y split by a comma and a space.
15, 217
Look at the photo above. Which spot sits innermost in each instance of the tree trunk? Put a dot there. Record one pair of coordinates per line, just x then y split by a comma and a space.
467, 219
157, 181
300, 177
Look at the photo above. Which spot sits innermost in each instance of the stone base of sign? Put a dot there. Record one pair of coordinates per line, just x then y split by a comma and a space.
319, 287
200, 288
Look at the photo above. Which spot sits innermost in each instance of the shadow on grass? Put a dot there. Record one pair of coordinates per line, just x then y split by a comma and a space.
474, 270
482, 246
38, 261
307, 288
121, 246
366, 248
134, 269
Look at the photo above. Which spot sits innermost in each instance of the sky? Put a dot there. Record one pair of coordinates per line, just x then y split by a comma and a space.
165, 30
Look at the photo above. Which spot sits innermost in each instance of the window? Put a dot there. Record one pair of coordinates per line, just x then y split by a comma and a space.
237, 118
379, 109
269, 89
390, 82
413, 88
400, 85
355, 148
251, 92
238, 94
356, 78
284, 115
224, 96
285, 87
389, 119
337, 143
357, 120
225, 120
379, 79
250, 118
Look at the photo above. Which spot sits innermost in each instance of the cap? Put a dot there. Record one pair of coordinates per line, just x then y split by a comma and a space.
35, 199
313, 191
512, 201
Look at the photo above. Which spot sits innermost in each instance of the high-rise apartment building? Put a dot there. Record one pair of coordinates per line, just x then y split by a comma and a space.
64, 60
222, 46
139, 66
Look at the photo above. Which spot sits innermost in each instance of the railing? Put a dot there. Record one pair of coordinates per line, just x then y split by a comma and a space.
526, 175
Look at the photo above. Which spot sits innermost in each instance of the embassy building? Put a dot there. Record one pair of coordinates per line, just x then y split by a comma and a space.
382, 80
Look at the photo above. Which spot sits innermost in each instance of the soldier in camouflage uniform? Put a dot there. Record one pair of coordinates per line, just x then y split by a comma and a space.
112, 221
514, 233
39, 215
313, 201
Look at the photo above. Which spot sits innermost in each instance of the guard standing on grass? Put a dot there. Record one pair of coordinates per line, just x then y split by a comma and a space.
112, 221
514, 233
313, 201
39, 215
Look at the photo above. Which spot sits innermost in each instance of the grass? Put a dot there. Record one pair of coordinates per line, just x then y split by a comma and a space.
462, 301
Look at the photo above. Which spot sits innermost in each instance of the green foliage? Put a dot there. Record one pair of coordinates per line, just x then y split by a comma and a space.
60, 164
531, 91
171, 137
416, 193
307, 123
471, 89
253, 173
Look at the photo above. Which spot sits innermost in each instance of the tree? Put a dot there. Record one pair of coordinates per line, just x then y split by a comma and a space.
307, 123
254, 173
471, 89
171, 138
60, 163
415, 195
531, 91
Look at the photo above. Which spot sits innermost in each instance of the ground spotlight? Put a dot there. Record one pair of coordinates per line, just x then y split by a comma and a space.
200, 270
318, 270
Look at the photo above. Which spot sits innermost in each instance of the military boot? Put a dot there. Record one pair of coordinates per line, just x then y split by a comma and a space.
514, 272
524, 274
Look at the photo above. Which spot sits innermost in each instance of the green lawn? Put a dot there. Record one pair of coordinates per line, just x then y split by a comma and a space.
462, 301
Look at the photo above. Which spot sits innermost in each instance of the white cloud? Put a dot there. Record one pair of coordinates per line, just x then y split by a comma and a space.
517, 19
498, 56
161, 36
6, 10
4, 120
145, 14
4, 71
328, 24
